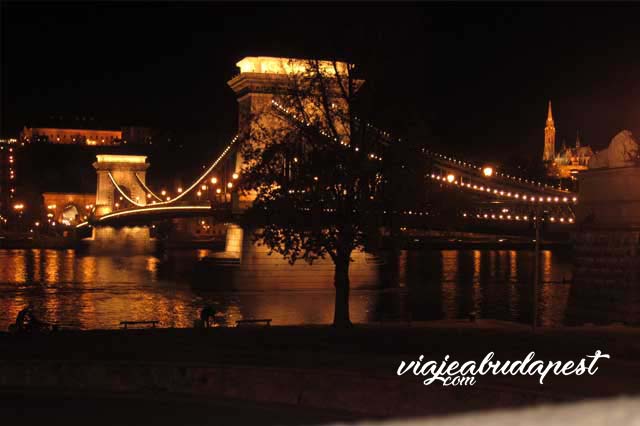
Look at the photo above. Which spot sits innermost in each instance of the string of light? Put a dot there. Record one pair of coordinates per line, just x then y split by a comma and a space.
502, 175
451, 180
146, 188
280, 107
510, 217
121, 192
206, 173
189, 189
442, 156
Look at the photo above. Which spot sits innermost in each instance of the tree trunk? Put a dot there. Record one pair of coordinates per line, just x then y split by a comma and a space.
341, 283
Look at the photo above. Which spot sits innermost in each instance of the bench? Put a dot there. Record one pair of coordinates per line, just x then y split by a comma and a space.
125, 324
266, 321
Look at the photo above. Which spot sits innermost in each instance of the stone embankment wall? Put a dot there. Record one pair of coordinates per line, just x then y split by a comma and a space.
606, 278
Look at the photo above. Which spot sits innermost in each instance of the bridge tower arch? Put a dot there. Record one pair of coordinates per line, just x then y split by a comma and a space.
128, 171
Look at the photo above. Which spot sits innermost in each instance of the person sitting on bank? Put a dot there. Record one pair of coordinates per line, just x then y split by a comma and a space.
27, 322
207, 316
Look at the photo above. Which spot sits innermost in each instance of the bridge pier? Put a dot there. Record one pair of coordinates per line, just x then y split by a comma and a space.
125, 241
253, 264
234, 241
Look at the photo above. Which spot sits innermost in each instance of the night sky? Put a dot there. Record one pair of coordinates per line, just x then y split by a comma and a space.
468, 79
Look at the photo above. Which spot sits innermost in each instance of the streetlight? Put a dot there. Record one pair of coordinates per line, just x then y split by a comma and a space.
450, 178
234, 176
214, 180
487, 171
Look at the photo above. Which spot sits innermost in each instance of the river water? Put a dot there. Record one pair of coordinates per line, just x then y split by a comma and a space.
91, 292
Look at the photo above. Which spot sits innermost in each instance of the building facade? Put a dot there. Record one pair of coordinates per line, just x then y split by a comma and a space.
567, 162
68, 208
92, 137
71, 136
571, 160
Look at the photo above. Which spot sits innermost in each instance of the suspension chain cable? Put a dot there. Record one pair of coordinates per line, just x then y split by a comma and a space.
185, 192
146, 188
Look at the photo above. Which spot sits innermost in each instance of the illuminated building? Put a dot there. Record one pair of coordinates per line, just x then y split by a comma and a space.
569, 160
91, 137
68, 207
71, 136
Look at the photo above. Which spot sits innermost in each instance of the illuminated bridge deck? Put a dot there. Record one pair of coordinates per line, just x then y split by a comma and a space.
145, 215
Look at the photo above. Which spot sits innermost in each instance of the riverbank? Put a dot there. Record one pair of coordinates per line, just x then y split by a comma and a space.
321, 367
33, 241
418, 240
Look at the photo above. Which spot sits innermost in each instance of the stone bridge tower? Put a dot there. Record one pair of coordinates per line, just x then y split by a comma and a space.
263, 78
124, 169
125, 239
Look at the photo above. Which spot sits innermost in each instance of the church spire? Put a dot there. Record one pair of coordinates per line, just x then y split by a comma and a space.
577, 139
549, 138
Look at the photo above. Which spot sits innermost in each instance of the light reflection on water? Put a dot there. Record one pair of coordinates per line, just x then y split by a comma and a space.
100, 291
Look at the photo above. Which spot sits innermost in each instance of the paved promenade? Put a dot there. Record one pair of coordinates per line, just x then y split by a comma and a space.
351, 371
